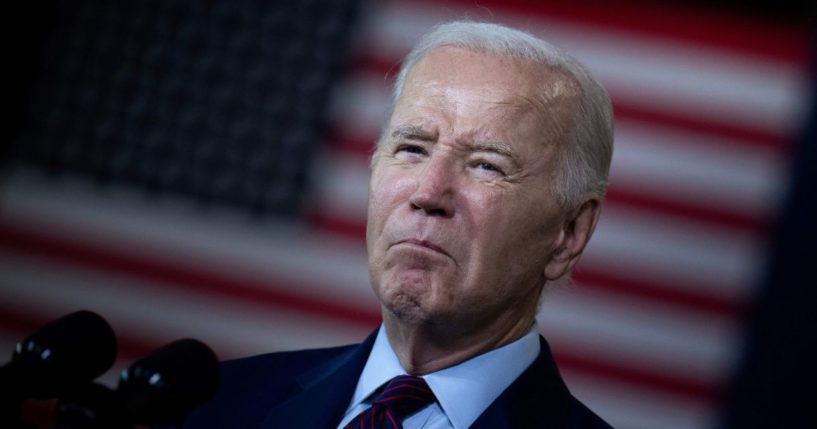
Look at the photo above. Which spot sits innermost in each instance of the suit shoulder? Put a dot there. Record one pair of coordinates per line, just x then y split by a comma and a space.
582, 417
250, 386
273, 373
288, 362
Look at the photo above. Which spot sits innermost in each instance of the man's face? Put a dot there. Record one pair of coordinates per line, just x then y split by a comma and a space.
463, 220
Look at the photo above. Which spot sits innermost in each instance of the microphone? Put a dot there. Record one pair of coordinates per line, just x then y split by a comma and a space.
65, 353
55, 359
161, 389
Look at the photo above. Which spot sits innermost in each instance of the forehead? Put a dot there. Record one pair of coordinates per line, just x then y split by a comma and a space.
466, 67
490, 88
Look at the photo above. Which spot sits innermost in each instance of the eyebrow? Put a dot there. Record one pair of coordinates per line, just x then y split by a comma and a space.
499, 148
413, 132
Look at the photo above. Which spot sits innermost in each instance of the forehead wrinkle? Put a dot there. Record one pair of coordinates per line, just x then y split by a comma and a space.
508, 105
472, 141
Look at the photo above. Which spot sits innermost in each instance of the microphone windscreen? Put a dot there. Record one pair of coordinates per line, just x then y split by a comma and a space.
63, 354
162, 388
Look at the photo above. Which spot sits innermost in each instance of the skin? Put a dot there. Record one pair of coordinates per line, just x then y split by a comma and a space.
464, 227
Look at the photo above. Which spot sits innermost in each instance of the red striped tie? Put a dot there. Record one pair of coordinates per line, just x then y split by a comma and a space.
402, 396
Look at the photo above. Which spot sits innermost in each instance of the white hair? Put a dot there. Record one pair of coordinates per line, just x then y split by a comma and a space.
584, 159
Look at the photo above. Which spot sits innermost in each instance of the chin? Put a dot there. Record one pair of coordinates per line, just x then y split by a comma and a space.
406, 309
406, 301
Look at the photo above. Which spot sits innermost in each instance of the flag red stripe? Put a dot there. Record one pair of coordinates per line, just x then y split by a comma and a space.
677, 120
781, 40
663, 292
670, 383
719, 216
107, 259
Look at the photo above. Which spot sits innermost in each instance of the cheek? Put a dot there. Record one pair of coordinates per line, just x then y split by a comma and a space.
506, 227
390, 186
487, 215
486, 224
380, 198
386, 194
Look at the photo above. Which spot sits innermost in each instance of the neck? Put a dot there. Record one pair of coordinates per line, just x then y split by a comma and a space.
423, 348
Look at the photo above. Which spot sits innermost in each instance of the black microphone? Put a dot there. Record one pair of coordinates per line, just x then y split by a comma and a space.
161, 389
65, 353
58, 357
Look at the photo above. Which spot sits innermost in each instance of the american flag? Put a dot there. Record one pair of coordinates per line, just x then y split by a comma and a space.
648, 335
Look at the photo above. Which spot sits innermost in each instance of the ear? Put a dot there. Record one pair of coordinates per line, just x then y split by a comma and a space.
576, 231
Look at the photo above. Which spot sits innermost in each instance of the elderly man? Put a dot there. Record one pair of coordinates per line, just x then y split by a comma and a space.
486, 185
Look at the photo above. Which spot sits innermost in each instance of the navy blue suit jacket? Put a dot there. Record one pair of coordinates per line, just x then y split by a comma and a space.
311, 389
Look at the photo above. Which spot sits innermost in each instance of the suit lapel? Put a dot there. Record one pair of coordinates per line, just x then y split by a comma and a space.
324, 392
538, 398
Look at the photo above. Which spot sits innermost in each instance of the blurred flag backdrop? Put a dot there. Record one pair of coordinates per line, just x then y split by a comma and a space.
199, 169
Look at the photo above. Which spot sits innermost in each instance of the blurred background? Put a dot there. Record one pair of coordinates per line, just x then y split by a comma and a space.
199, 169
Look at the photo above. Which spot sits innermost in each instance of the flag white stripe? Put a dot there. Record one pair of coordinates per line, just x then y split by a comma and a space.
638, 333
268, 253
706, 83
702, 256
162, 313
694, 168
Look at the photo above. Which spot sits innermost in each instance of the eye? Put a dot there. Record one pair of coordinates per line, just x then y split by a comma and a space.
409, 152
407, 148
488, 166
485, 167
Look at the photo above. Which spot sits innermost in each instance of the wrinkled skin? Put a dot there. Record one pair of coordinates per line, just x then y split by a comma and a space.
464, 227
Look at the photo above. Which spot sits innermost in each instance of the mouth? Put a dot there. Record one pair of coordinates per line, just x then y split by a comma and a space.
424, 244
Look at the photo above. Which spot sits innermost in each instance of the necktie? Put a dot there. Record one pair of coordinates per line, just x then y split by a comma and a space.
402, 396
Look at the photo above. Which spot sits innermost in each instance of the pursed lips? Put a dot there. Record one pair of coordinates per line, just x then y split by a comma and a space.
426, 244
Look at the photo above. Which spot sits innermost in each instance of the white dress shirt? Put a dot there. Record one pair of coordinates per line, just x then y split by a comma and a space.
463, 391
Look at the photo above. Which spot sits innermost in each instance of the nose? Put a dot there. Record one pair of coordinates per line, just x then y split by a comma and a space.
434, 192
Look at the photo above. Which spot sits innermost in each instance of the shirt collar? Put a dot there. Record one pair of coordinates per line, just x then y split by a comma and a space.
464, 390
